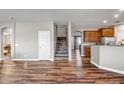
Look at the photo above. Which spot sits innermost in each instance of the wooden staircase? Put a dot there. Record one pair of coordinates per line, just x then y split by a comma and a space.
61, 49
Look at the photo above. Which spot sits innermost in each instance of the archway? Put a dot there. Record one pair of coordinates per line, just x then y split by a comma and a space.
77, 35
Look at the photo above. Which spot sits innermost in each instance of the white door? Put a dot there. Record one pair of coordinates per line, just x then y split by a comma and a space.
44, 45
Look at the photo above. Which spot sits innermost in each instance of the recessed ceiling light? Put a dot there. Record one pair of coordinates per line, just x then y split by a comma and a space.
121, 10
105, 21
116, 15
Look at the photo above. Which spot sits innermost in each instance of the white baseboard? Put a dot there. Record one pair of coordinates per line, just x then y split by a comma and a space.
25, 60
108, 69
29, 60
69, 59
51, 59
1, 59
95, 64
113, 70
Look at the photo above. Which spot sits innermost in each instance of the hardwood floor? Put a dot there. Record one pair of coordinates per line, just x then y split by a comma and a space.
60, 72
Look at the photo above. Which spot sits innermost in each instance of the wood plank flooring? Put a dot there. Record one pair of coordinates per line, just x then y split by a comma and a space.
60, 72
57, 72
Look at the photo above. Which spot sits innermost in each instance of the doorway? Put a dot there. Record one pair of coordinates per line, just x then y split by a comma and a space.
44, 45
6, 43
77, 42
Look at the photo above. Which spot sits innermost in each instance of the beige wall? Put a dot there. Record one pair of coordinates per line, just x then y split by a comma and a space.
119, 32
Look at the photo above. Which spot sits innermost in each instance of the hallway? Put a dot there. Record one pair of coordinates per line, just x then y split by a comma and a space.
55, 72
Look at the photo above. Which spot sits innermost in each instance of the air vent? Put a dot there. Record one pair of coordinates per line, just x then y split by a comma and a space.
117, 21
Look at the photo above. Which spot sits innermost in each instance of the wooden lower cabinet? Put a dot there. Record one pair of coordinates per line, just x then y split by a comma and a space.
87, 51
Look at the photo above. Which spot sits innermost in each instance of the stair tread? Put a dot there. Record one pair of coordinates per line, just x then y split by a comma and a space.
63, 52
60, 55
61, 48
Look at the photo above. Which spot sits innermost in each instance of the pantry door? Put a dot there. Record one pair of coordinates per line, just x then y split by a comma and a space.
44, 45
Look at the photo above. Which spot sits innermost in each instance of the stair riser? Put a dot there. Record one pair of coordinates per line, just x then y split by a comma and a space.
61, 48
61, 52
61, 55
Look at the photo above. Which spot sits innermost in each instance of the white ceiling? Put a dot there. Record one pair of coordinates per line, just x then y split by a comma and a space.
80, 18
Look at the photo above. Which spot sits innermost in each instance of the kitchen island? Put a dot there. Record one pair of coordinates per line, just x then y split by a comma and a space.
108, 57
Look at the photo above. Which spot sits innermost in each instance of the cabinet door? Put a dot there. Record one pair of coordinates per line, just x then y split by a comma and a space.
94, 36
111, 32
97, 36
87, 36
87, 51
107, 32
91, 36
103, 33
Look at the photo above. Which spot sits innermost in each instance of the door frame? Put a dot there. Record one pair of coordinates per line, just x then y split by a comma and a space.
1, 42
75, 37
39, 45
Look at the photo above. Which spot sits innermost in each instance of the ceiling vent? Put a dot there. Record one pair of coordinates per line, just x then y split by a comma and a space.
118, 22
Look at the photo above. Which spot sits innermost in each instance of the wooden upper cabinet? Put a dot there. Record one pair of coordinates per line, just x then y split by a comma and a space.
86, 36
107, 32
91, 36
95, 36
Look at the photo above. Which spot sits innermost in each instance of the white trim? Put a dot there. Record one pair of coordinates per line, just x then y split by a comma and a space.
25, 60
11, 26
106, 68
1, 59
13, 39
95, 64
69, 41
82, 55
39, 44
113, 70
51, 59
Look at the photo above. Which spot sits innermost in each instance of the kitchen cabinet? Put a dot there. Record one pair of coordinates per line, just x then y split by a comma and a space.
87, 51
87, 36
91, 36
107, 32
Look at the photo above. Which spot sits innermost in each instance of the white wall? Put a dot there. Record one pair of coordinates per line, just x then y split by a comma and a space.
10, 25
95, 54
61, 31
75, 33
55, 38
108, 57
119, 32
26, 39
112, 57
52, 47
7, 37
72, 42
69, 41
